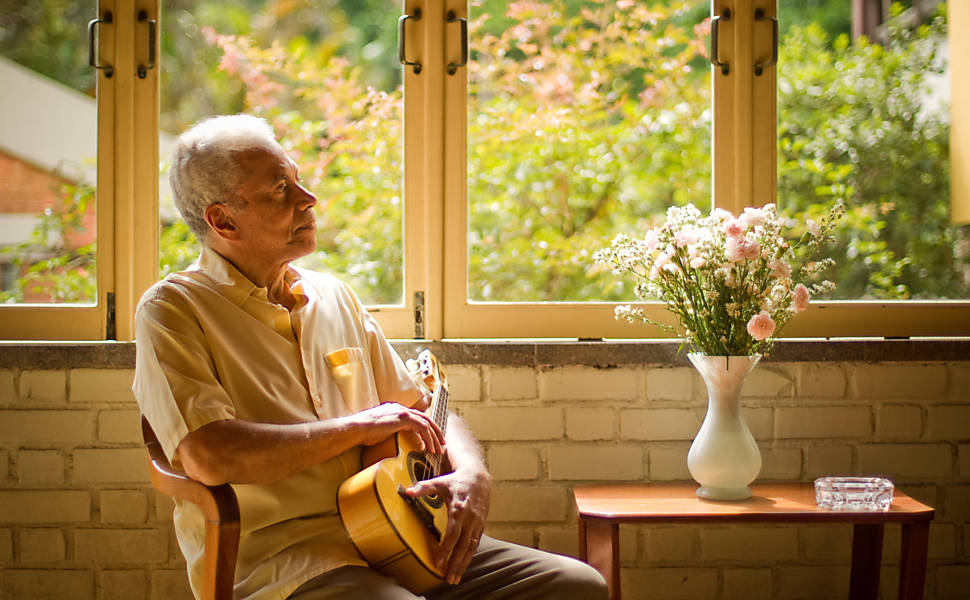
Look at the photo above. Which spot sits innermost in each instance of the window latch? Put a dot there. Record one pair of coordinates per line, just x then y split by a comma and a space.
94, 57
419, 315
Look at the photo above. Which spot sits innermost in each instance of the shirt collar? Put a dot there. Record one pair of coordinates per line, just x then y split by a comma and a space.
234, 285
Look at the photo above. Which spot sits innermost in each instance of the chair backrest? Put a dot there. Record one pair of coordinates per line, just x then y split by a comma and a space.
219, 507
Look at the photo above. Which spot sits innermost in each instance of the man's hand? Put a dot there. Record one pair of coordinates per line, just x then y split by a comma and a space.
467, 493
380, 422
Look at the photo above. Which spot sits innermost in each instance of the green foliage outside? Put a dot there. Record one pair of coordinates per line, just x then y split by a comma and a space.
858, 121
585, 121
50, 37
53, 265
582, 124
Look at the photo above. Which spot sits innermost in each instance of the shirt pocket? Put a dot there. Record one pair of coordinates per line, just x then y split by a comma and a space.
349, 372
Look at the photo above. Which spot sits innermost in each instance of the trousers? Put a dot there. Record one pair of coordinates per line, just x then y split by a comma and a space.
498, 571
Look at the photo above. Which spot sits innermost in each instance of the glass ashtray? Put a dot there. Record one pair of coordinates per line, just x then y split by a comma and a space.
863, 494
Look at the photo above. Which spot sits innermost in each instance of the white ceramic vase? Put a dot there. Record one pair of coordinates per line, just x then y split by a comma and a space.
724, 458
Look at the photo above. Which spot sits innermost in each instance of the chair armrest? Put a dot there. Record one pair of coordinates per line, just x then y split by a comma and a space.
219, 507
218, 502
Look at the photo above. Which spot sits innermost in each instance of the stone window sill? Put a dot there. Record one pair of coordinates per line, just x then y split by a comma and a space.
528, 353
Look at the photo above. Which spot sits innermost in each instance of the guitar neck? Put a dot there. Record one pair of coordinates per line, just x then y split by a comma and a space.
429, 376
439, 407
439, 414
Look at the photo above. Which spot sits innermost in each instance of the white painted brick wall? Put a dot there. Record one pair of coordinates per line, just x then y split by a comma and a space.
660, 424
822, 381
519, 423
586, 383
8, 390
514, 462
101, 385
43, 385
675, 383
512, 383
899, 421
823, 422
900, 380
587, 424
77, 513
577, 462
949, 422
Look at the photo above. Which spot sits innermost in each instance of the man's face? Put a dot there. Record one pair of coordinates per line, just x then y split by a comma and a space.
273, 213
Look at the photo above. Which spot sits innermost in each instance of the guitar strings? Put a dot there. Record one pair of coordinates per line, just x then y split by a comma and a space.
440, 413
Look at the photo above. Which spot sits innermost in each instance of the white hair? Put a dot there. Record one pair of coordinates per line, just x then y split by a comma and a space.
205, 166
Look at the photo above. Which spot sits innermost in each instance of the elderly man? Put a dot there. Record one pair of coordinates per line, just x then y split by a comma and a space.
232, 374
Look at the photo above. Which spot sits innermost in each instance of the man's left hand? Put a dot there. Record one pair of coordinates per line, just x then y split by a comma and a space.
467, 493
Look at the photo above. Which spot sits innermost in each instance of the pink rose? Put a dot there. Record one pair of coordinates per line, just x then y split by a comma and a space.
733, 228
737, 249
799, 298
780, 268
687, 237
761, 326
662, 260
750, 250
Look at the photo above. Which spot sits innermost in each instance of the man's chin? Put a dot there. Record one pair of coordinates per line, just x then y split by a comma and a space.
303, 245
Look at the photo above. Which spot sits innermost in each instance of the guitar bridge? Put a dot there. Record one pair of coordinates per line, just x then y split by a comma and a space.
421, 511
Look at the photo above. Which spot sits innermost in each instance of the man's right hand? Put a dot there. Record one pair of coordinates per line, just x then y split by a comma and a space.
384, 420
239, 451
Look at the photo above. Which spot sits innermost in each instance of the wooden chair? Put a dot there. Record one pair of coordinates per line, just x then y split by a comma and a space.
220, 509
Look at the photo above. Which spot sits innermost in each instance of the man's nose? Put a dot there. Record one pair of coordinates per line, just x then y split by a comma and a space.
306, 198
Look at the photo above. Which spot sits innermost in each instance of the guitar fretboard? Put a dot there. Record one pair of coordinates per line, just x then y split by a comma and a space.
439, 414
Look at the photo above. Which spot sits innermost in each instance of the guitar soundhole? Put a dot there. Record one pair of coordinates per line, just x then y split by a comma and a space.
420, 469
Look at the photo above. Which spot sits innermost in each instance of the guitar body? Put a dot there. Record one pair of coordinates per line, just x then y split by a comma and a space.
395, 535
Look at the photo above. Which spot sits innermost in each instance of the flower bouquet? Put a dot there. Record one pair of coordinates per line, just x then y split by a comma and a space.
733, 282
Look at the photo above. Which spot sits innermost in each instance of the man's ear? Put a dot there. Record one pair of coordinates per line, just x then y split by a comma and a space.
220, 221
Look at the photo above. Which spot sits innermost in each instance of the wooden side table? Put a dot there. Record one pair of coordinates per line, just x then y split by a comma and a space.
603, 507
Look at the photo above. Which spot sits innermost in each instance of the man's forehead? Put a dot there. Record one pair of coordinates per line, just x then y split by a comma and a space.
266, 156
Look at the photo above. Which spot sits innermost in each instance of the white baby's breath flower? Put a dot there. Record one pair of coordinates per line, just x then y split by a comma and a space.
752, 217
721, 275
814, 228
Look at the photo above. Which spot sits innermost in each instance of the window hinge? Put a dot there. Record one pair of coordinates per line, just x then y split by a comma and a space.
419, 315
110, 332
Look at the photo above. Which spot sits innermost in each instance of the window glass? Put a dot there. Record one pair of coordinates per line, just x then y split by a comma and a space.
866, 120
48, 222
325, 75
585, 119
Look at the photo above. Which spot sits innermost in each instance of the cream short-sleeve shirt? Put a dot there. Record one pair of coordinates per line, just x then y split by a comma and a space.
210, 346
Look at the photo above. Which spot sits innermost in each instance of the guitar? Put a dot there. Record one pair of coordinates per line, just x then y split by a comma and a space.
393, 532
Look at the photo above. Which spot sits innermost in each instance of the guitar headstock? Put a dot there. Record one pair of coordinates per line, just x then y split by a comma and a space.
426, 371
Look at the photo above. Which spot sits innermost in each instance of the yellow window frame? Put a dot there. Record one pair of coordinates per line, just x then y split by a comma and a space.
127, 189
744, 155
436, 304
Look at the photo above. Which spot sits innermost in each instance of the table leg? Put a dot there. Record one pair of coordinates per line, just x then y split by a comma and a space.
912, 564
866, 561
600, 548
583, 554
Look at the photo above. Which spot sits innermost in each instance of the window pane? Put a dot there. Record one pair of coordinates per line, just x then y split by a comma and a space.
867, 121
47, 179
325, 75
585, 119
